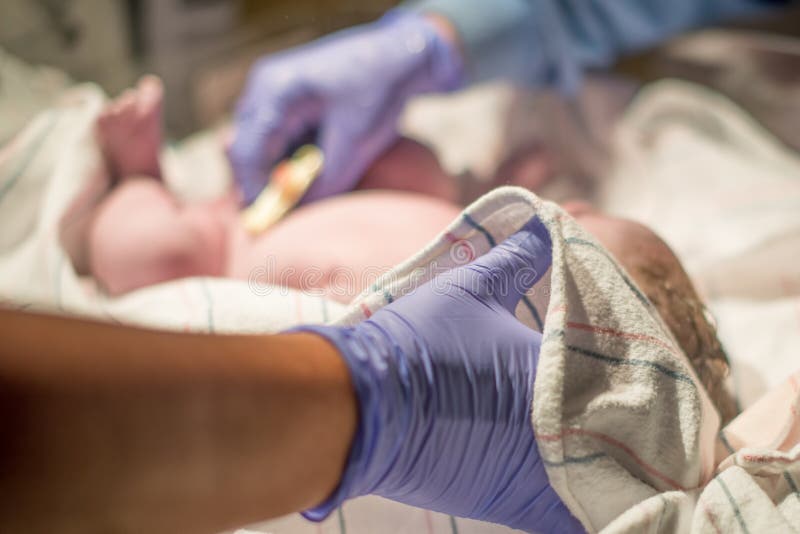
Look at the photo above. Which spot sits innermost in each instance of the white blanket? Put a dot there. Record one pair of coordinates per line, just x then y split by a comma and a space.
51, 175
600, 335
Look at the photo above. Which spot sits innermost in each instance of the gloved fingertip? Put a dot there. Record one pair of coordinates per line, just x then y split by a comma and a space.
245, 166
330, 183
248, 196
313, 194
249, 186
523, 258
531, 244
534, 228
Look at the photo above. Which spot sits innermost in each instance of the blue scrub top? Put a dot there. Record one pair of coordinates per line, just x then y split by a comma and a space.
549, 42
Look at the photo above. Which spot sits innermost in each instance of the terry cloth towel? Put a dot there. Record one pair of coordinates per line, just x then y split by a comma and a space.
724, 193
618, 412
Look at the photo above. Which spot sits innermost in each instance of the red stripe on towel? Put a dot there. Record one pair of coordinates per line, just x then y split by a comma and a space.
619, 333
616, 443
711, 519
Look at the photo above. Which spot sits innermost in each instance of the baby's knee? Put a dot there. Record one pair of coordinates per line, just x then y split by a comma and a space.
141, 236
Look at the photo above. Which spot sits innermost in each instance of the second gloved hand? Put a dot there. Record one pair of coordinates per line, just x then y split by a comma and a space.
347, 90
444, 378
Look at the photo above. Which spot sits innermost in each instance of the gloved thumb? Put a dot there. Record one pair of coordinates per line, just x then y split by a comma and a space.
341, 153
517, 263
249, 161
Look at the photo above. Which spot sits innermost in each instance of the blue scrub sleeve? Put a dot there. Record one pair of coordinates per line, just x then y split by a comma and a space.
550, 42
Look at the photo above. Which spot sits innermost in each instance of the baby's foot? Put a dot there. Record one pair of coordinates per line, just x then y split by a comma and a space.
129, 130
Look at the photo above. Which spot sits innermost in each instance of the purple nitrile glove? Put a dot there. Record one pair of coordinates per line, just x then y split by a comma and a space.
346, 92
444, 378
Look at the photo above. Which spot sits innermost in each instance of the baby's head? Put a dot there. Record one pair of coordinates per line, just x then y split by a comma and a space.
659, 274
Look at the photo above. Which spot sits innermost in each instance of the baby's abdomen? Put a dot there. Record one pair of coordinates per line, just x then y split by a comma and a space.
339, 246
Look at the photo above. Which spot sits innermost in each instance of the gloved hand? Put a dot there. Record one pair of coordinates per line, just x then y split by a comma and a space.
344, 91
444, 378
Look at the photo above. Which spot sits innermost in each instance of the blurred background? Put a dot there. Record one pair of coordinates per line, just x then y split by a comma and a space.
712, 167
202, 48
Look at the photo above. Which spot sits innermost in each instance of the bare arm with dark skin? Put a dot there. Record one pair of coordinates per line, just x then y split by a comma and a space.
117, 429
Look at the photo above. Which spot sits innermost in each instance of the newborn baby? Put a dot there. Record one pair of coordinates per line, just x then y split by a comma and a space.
141, 235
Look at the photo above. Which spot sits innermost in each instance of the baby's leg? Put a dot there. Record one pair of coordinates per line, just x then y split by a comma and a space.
140, 236
129, 130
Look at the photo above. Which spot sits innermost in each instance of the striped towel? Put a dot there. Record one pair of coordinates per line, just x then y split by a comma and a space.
619, 415
626, 431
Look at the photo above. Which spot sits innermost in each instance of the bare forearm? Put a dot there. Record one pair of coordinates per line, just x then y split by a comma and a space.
116, 428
